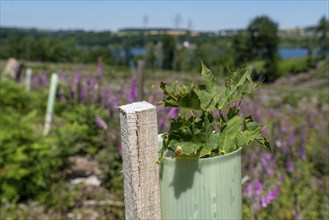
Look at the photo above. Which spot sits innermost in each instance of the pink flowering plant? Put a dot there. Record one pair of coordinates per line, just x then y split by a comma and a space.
196, 132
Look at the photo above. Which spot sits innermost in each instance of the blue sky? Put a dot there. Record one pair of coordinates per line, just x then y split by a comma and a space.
113, 15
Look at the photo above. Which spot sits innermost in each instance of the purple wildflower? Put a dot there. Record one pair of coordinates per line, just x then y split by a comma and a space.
216, 113
62, 95
290, 166
110, 100
282, 128
151, 99
120, 149
77, 78
173, 112
258, 116
296, 214
83, 93
91, 85
161, 123
254, 189
160, 108
99, 69
252, 161
265, 132
215, 128
271, 195
311, 120
132, 92
34, 81
302, 143
291, 138
223, 115
267, 162
250, 190
101, 123
266, 159
274, 113
271, 169
43, 80
284, 147
258, 188
71, 91
113, 136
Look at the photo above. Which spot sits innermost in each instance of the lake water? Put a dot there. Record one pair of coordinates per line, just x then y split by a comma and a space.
292, 52
284, 53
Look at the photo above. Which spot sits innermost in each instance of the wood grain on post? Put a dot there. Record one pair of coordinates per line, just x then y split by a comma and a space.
140, 79
141, 172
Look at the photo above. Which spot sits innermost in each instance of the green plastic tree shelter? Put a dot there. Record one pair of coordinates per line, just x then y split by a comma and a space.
178, 188
51, 102
208, 188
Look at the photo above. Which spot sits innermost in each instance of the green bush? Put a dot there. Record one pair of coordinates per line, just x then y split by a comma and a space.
28, 162
293, 65
83, 117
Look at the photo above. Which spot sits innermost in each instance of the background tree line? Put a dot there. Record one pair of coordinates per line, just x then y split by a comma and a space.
258, 42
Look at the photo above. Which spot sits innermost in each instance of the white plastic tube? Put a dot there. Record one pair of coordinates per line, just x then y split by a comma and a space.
28, 79
51, 102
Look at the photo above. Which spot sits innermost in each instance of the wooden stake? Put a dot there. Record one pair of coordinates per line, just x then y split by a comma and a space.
141, 172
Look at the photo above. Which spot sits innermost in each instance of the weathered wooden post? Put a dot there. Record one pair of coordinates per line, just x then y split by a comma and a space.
28, 79
141, 173
140, 79
13, 68
51, 101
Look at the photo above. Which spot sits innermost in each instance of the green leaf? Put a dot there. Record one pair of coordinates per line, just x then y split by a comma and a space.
208, 77
251, 133
211, 138
262, 140
194, 136
237, 84
234, 111
180, 96
228, 136
185, 147
208, 92
184, 134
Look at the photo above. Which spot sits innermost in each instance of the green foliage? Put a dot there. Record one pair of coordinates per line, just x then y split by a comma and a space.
111, 164
168, 47
263, 41
285, 66
209, 96
193, 136
27, 161
322, 31
14, 97
150, 55
81, 128
30, 163
293, 41
293, 65
263, 36
241, 48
